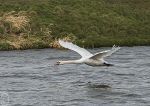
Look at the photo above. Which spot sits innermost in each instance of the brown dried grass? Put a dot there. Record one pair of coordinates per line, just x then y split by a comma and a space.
16, 20
19, 42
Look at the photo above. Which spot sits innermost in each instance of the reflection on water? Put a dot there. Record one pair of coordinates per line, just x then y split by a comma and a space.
30, 78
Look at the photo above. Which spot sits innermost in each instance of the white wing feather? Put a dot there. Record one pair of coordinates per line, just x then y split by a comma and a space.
83, 52
106, 53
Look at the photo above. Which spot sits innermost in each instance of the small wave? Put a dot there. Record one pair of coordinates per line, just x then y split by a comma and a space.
24, 76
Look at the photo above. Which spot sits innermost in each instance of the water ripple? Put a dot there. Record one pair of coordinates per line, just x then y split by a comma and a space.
31, 79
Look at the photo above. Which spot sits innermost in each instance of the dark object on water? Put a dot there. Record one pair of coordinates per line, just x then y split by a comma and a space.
101, 86
98, 86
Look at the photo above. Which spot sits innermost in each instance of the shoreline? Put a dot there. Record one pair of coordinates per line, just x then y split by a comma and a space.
34, 42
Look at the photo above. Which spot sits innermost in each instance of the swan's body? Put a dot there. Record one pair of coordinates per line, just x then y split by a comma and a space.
96, 59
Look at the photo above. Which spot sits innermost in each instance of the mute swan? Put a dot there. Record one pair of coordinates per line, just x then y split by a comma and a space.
88, 58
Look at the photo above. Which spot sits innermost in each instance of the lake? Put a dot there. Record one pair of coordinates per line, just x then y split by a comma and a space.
30, 78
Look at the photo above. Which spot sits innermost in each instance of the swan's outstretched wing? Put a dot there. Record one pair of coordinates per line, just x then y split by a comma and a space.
83, 52
106, 53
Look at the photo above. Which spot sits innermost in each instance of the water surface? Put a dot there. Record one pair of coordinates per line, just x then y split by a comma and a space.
30, 78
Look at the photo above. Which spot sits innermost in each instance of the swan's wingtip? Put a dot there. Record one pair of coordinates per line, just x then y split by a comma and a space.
59, 40
62, 41
114, 46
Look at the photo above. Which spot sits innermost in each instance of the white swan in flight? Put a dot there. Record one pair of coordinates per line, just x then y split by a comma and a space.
88, 58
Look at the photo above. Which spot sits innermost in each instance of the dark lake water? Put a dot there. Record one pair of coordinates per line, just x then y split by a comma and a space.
30, 78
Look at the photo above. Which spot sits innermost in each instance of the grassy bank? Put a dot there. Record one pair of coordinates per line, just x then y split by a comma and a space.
89, 23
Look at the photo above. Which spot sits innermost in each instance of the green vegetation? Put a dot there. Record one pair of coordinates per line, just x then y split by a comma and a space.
90, 23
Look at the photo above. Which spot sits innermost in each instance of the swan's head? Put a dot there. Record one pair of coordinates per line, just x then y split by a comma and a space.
59, 63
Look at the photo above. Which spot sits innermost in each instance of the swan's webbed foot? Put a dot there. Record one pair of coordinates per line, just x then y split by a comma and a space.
108, 64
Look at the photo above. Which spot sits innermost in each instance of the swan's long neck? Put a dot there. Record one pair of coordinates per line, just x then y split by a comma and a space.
69, 62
